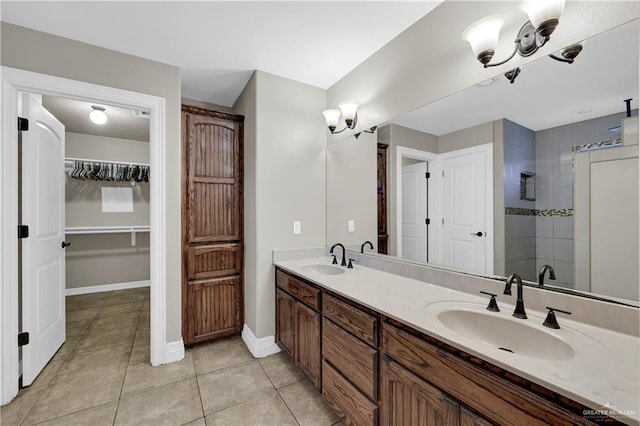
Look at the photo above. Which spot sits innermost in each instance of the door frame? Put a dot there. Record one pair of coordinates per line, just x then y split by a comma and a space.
415, 154
487, 149
17, 80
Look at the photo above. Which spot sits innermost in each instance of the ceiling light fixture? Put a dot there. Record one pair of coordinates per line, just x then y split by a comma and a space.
97, 115
544, 17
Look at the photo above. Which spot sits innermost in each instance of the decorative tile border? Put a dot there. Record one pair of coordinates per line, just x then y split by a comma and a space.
518, 211
597, 145
555, 212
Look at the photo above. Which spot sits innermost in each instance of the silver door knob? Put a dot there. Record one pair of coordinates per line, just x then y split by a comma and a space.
65, 244
477, 234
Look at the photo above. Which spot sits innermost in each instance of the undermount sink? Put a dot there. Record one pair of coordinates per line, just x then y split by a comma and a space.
506, 333
323, 269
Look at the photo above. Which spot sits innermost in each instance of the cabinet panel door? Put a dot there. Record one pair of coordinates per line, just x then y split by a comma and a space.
213, 261
214, 309
408, 400
214, 179
308, 342
285, 324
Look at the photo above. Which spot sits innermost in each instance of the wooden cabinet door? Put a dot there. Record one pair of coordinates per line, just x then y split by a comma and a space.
307, 350
215, 308
212, 235
408, 400
214, 179
285, 322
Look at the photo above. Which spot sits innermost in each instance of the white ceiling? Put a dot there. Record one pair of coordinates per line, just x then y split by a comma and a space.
218, 44
547, 93
74, 115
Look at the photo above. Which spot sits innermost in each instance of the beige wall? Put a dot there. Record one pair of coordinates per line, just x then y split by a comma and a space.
246, 105
286, 150
48, 54
351, 187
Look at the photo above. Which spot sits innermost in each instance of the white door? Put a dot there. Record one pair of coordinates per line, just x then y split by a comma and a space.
43, 273
465, 183
414, 211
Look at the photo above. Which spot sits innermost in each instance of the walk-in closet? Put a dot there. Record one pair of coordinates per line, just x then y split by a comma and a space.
105, 263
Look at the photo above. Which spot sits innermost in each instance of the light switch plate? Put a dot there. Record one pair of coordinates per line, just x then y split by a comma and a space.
297, 227
352, 226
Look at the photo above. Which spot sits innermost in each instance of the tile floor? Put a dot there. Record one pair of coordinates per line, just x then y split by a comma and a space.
102, 376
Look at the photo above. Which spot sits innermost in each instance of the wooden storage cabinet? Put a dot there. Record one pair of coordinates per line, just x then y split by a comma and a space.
298, 324
212, 235
410, 362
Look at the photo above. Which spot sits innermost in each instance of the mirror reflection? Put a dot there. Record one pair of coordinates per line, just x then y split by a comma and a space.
508, 177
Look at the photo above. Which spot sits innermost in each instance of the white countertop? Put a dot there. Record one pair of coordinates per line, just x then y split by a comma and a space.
604, 373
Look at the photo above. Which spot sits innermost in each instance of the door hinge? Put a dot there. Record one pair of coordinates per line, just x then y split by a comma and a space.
23, 124
443, 173
23, 338
443, 220
427, 175
427, 221
23, 231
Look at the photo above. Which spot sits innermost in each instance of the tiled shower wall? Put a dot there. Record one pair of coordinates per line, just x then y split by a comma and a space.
554, 190
520, 222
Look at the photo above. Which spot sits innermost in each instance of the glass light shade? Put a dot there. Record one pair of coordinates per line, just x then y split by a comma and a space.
349, 110
483, 34
98, 115
332, 116
540, 11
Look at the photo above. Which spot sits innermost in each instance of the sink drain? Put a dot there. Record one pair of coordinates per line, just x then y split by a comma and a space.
506, 350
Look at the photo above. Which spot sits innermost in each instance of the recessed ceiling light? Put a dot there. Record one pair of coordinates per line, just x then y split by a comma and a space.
488, 82
97, 115
584, 110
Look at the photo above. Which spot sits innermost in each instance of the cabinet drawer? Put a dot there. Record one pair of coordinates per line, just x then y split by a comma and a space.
345, 399
483, 392
305, 293
354, 359
352, 319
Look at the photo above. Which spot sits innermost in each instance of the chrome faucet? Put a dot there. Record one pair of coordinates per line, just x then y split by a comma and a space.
519, 312
364, 244
344, 259
545, 268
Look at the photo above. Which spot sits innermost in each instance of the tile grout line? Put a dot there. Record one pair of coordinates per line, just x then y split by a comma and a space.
279, 394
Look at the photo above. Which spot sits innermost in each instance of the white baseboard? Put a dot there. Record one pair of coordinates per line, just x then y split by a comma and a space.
174, 351
106, 287
259, 348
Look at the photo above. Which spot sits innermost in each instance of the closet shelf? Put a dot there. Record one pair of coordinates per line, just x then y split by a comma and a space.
86, 230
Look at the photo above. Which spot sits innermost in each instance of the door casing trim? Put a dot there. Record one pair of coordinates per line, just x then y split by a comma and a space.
17, 80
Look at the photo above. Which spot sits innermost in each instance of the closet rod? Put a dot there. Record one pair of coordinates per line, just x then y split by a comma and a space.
70, 159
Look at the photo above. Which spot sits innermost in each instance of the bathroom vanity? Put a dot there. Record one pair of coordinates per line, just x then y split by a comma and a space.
386, 349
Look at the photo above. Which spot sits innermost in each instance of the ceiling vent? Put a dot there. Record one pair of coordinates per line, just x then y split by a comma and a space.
141, 114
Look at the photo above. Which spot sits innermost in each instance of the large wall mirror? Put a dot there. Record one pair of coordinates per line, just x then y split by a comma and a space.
508, 177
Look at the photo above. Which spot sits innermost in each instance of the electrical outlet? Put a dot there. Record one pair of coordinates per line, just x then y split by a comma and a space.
352, 226
297, 227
